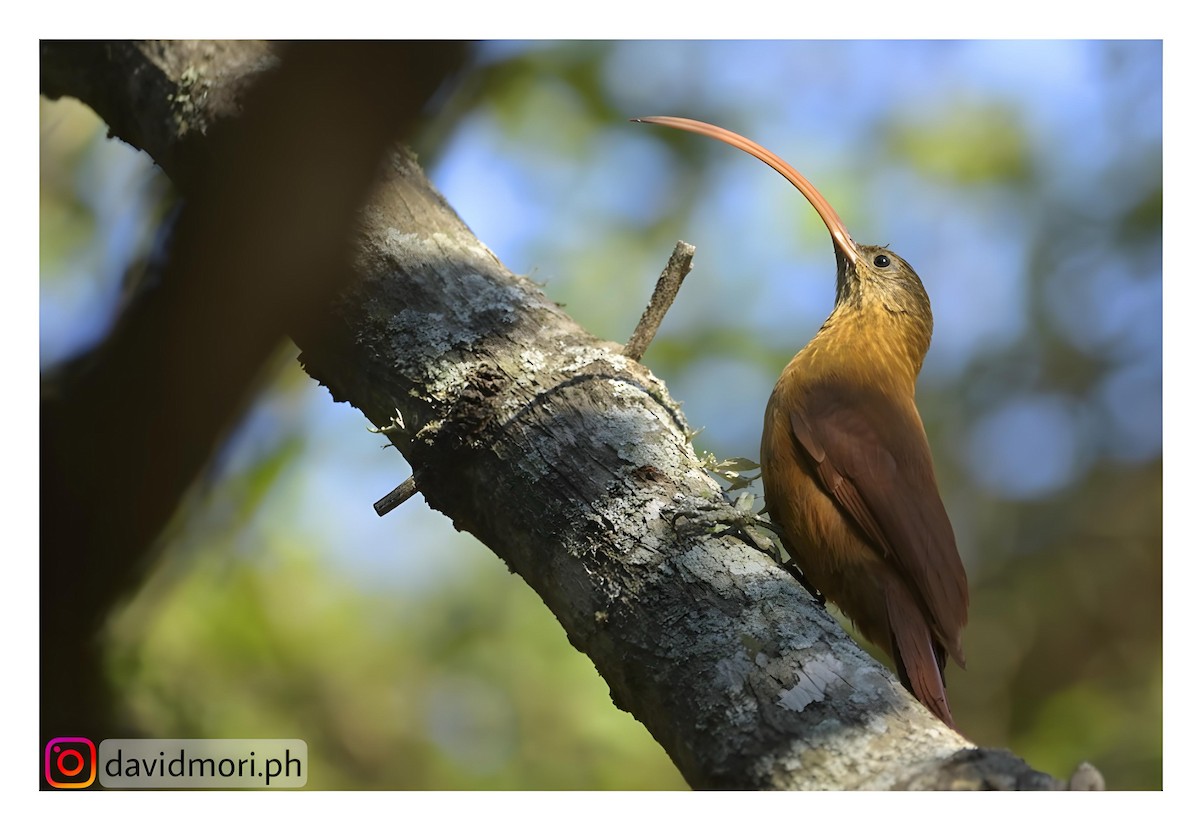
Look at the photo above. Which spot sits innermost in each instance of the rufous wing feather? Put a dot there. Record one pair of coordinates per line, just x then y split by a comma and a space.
872, 457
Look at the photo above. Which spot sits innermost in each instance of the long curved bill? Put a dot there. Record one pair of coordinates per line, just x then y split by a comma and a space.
824, 209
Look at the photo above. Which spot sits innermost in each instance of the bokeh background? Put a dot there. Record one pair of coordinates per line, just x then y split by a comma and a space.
1023, 180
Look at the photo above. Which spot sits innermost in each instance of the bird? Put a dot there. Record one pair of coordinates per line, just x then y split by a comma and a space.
846, 466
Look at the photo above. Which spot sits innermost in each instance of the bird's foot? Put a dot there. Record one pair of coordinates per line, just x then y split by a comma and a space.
736, 518
794, 570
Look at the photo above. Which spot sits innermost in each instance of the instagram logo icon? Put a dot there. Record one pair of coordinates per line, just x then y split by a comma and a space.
70, 762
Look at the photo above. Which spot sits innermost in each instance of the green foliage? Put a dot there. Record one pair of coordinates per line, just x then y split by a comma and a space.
468, 686
731, 470
962, 142
65, 224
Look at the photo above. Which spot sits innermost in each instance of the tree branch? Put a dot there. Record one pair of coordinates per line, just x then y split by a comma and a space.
569, 459
669, 282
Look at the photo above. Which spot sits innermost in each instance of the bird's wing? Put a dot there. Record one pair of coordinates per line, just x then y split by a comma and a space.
872, 456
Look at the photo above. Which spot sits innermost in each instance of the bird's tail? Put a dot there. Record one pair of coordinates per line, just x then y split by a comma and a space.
920, 659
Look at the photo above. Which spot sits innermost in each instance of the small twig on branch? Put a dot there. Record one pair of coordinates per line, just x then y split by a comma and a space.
1086, 778
406, 489
396, 496
677, 267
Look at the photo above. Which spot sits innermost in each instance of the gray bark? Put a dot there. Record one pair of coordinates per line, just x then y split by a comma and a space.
569, 461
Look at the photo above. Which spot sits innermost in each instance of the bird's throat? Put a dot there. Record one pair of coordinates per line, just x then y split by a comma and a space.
866, 344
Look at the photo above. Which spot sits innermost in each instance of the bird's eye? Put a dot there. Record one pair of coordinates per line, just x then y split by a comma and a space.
882, 261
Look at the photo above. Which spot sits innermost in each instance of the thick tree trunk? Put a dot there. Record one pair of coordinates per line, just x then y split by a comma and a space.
569, 461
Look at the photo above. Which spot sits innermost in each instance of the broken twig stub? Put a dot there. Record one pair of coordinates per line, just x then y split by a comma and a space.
678, 266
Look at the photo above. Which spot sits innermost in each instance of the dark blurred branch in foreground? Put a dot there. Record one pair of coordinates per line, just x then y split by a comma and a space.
261, 249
